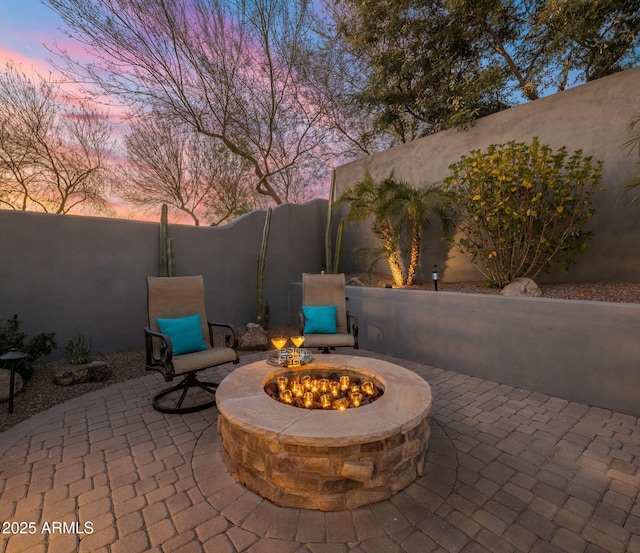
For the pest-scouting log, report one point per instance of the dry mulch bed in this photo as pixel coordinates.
(41, 393)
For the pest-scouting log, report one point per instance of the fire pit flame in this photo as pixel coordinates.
(323, 390)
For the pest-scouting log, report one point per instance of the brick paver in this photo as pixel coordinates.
(507, 470)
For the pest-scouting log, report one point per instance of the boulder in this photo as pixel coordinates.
(255, 339)
(522, 287)
(96, 371)
(5, 383)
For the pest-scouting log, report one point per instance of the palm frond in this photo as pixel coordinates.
(372, 255)
(634, 186)
(632, 144)
(634, 132)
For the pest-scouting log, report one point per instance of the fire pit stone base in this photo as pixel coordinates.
(325, 478)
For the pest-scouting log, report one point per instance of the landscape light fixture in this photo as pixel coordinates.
(434, 276)
(12, 358)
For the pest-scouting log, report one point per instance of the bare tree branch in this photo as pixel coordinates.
(237, 71)
(53, 154)
(188, 171)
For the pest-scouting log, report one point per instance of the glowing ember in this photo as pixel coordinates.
(323, 390)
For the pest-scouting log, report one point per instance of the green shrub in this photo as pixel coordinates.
(517, 207)
(12, 337)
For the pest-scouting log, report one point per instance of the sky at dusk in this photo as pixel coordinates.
(27, 29)
(24, 26)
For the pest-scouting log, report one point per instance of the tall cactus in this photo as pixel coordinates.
(167, 250)
(171, 258)
(336, 259)
(262, 259)
(332, 262)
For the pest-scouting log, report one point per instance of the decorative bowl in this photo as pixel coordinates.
(289, 357)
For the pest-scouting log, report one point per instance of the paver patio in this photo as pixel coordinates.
(508, 470)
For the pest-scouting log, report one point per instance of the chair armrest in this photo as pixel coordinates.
(301, 322)
(230, 340)
(352, 323)
(166, 349)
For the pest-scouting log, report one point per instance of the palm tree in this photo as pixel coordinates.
(419, 204)
(365, 201)
(399, 214)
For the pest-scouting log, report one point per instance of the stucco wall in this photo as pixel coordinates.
(593, 117)
(578, 350)
(86, 275)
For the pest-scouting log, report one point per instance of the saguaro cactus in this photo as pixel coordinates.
(262, 259)
(332, 262)
(167, 250)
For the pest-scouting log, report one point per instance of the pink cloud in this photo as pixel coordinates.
(33, 67)
(24, 63)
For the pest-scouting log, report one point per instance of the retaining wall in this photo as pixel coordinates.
(578, 350)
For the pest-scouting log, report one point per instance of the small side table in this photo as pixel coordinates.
(12, 358)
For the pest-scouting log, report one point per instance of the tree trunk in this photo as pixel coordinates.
(414, 252)
(393, 257)
(396, 270)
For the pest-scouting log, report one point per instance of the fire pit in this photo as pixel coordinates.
(325, 459)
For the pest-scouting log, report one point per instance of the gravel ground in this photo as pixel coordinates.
(618, 293)
(41, 393)
(593, 291)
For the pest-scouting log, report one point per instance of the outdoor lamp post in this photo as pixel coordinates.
(434, 275)
(12, 358)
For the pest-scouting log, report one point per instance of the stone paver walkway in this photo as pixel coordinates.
(508, 471)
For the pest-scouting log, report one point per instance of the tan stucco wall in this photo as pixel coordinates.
(593, 117)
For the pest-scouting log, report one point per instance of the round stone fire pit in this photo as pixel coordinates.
(324, 459)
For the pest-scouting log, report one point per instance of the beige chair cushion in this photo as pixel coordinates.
(328, 340)
(199, 359)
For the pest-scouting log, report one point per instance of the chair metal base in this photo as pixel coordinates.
(326, 349)
(189, 381)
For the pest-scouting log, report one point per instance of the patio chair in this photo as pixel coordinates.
(180, 341)
(324, 319)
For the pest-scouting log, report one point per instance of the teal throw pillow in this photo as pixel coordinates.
(185, 334)
(319, 319)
